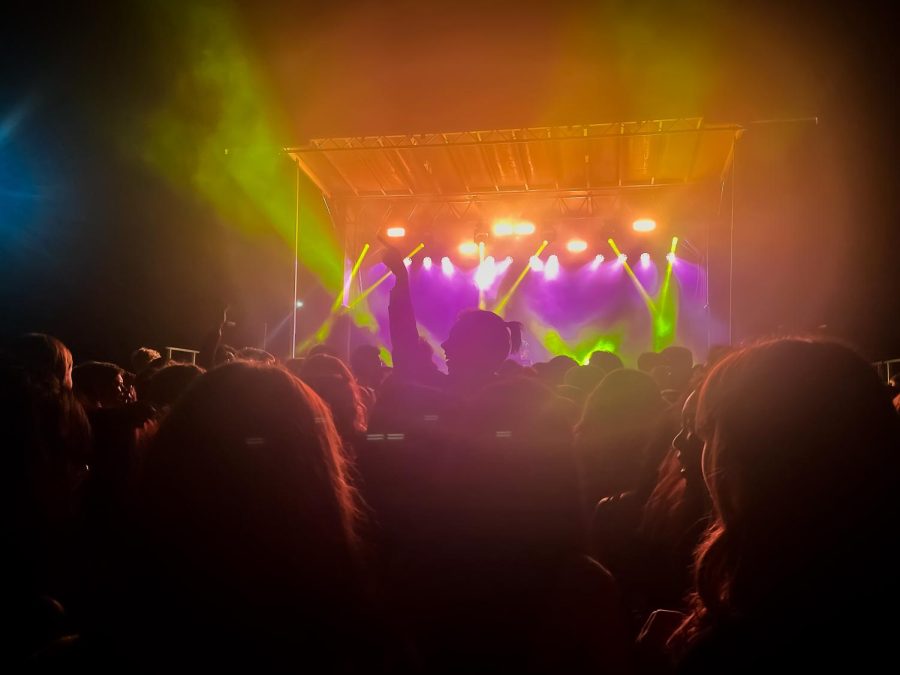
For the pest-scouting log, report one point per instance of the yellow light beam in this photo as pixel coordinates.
(498, 309)
(664, 296)
(343, 296)
(637, 283)
(387, 275)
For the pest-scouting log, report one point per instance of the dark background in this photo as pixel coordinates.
(101, 251)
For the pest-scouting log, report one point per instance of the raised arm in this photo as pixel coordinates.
(402, 317)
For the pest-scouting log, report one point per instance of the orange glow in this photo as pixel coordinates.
(576, 246)
(468, 248)
(644, 225)
(396, 232)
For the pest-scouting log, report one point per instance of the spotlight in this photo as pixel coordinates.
(645, 259)
(644, 225)
(299, 304)
(503, 228)
(524, 228)
(504, 264)
(446, 266)
(468, 248)
(670, 256)
(551, 270)
(621, 258)
(576, 246)
(426, 262)
(598, 260)
(536, 264)
(484, 275)
(407, 261)
(396, 232)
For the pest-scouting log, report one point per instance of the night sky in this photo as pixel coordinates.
(104, 250)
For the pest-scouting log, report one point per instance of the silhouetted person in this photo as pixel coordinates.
(616, 431)
(647, 361)
(169, 383)
(606, 361)
(249, 556)
(798, 570)
(367, 366)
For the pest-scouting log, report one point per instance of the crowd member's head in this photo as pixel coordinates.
(143, 357)
(554, 373)
(479, 343)
(250, 517)
(680, 362)
(647, 361)
(170, 382)
(100, 385)
(224, 354)
(800, 459)
(585, 378)
(606, 361)
(330, 378)
(367, 366)
(616, 430)
(322, 348)
(255, 354)
(46, 360)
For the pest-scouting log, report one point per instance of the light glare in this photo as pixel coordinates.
(644, 225)
(468, 248)
(396, 232)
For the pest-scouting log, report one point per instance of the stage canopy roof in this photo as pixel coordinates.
(581, 171)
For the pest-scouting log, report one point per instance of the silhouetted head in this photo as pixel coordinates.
(255, 354)
(247, 498)
(680, 362)
(328, 350)
(555, 372)
(367, 366)
(800, 459)
(330, 378)
(169, 383)
(479, 343)
(606, 361)
(143, 357)
(100, 385)
(647, 361)
(46, 360)
(624, 400)
(585, 378)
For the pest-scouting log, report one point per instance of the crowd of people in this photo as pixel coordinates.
(317, 515)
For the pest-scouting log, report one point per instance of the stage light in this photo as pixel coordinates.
(299, 304)
(446, 266)
(551, 269)
(645, 259)
(407, 261)
(576, 246)
(536, 264)
(644, 225)
(524, 228)
(396, 232)
(503, 228)
(670, 256)
(621, 258)
(426, 262)
(598, 260)
(468, 248)
(485, 274)
(504, 264)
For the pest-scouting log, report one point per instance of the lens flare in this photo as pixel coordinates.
(396, 232)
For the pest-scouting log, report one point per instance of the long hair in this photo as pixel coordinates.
(800, 461)
(246, 495)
